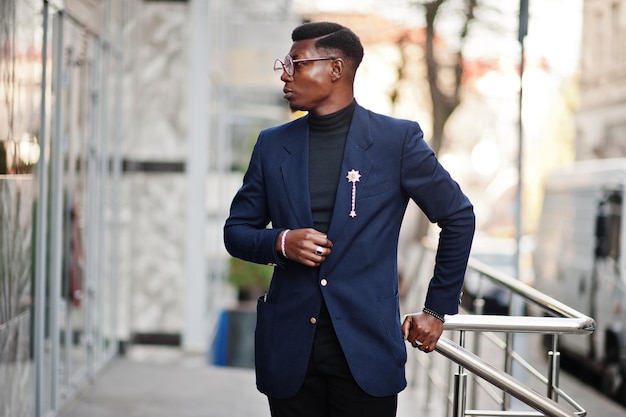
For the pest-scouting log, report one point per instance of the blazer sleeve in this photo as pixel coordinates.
(441, 199)
(246, 234)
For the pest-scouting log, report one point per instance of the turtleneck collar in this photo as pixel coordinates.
(333, 121)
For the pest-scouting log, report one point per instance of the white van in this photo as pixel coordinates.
(579, 260)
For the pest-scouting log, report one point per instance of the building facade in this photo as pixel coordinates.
(61, 66)
(122, 126)
(601, 119)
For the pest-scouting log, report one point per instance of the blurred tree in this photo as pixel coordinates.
(444, 72)
(444, 69)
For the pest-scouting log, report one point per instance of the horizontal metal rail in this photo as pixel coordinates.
(529, 293)
(520, 324)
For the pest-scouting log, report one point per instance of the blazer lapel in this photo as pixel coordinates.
(295, 171)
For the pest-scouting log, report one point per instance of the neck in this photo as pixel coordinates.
(333, 107)
(336, 122)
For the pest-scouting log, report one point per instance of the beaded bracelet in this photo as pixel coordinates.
(434, 314)
(282, 243)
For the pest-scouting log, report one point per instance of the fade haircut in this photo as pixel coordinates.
(332, 36)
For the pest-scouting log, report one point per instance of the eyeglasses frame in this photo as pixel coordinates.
(297, 61)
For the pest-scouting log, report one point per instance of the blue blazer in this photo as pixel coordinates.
(361, 273)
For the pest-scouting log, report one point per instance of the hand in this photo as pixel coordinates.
(422, 330)
(307, 246)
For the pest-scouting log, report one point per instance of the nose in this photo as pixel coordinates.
(284, 76)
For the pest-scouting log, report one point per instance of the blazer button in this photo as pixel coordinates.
(324, 282)
(313, 320)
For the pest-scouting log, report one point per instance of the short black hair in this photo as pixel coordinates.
(331, 36)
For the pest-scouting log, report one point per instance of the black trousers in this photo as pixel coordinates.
(329, 389)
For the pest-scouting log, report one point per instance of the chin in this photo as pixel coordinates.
(295, 107)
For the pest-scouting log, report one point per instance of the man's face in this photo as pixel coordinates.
(311, 85)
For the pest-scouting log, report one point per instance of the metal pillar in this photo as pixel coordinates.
(195, 333)
(40, 230)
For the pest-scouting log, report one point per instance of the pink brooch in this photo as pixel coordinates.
(353, 176)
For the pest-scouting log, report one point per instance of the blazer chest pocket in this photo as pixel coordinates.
(372, 190)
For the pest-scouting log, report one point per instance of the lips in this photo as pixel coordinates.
(287, 93)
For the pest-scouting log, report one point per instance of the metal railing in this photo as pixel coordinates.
(562, 320)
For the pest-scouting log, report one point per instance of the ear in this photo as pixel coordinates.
(337, 69)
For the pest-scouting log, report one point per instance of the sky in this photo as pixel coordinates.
(555, 32)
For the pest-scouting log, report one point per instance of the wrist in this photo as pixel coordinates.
(435, 314)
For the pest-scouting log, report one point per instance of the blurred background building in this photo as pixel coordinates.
(125, 127)
(601, 120)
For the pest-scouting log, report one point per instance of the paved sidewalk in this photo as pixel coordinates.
(166, 383)
(138, 389)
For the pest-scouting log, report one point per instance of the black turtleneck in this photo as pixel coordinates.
(327, 141)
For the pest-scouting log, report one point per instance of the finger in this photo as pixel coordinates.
(406, 326)
(317, 236)
(322, 242)
(322, 251)
(429, 344)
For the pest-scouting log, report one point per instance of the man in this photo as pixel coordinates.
(334, 185)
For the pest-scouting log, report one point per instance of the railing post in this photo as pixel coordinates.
(554, 362)
(508, 366)
(460, 385)
(460, 393)
(479, 308)
(429, 384)
(449, 374)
